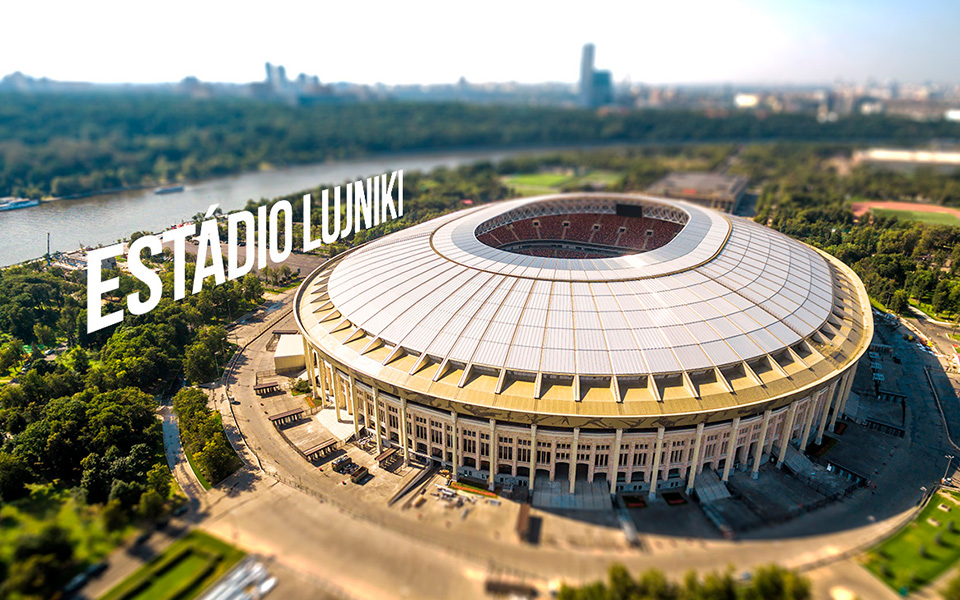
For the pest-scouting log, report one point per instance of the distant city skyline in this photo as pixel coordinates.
(742, 41)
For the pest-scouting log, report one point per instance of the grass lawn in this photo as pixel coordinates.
(236, 462)
(931, 218)
(878, 305)
(913, 558)
(546, 180)
(471, 489)
(182, 571)
(282, 288)
(928, 310)
(196, 470)
(47, 504)
(531, 184)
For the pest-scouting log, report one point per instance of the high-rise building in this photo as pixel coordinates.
(596, 87)
(586, 75)
(271, 75)
(602, 88)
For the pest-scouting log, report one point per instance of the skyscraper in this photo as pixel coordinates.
(586, 75)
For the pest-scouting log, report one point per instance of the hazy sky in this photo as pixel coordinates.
(428, 42)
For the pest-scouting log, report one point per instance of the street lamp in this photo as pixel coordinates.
(949, 458)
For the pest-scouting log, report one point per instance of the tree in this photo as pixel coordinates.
(41, 564)
(216, 458)
(150, 505)
(114, 516)
(769, 583)
(199, 364)
(776, 583)
(159, 479)
(11, 354)
(900, 302)
(14, 476)
(44, 335)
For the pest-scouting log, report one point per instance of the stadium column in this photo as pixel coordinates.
(493, 454)
(731, 449)
(353, 403)
(324, 388)
(842, 400)
(311, 371)
(572, 472)
(376, 418)
(454, 443)
(614, 462)
(337, 392)
(829, 400)
(654, 472)
(403, 430)
(763, 438)
(837, 403)
(807, 424)
(366, 417)
(786, 434)
(533, 455)
(695, 459)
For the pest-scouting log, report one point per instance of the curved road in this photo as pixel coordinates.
(379, 552)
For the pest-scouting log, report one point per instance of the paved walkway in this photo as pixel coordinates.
(314, 528)
(177, 459)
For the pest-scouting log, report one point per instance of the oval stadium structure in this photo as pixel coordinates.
(618, 339)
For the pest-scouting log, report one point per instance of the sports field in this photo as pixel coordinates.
(532, 184)
(181, 572)
(48, 505)
(926, 547)
(932, 214)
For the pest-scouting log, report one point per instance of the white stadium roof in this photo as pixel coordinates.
(724, 318)
(723, 291)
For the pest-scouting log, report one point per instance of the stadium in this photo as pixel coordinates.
(600, 341)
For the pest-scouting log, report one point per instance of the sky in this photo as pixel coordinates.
(644, 41)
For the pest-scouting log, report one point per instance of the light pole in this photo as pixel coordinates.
(949, 458)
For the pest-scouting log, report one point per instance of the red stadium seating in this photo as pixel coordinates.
(614, 235)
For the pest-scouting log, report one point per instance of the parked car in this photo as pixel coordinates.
(96, 569)
(359, 475)
(342, 464)
(76, 583)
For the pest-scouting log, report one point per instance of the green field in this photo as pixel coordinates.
(931, 218)
(913, 557)
(531, 184)
(47, 505)
(182, 571)
(196, 470)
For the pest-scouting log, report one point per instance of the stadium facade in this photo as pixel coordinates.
(619, 338)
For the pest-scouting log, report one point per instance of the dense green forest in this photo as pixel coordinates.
(767, 583)
(64, 145)
(899, 261)
(83, 420)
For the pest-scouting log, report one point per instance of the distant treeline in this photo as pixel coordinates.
(73, 144)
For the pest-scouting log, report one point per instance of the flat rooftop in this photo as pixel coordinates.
(699, 184)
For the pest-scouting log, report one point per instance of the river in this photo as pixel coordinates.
(108, 218)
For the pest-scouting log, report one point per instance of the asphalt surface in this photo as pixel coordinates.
(327, 547)
(819, 537)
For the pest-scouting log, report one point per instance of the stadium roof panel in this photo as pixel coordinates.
(721, 292)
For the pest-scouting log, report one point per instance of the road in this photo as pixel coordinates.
(339, 546)
(281, 518)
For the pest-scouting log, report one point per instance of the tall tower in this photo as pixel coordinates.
(586, 75)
